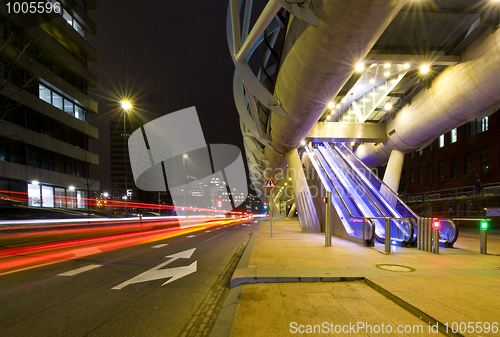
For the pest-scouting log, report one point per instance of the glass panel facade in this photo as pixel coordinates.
(80, 197)
(59, 197)
(45, 94)
(47, 196)
(34, 197)
(69, 107)
(57, 100)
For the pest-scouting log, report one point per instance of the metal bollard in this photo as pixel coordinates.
(435, 229)
(483, 241)
(328, 219)
(387, 235)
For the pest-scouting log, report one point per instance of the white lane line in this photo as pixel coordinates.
(160, 245)
(207, 231)
(80, 270)
(191, 236)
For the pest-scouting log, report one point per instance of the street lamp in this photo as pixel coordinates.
(184, 157)
(126, 106)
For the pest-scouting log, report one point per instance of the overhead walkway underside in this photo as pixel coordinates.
(352, 71)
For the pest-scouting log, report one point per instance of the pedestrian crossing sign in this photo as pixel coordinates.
(270, 183)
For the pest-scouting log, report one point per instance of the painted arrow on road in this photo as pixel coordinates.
(156, 273)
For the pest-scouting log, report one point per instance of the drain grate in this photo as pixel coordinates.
(395, 267)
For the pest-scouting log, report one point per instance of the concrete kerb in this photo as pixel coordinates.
(224, 325)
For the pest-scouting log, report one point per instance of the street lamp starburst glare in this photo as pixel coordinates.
(126, 105)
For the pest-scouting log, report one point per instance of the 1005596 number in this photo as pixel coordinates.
(470, 327)
(25, 7)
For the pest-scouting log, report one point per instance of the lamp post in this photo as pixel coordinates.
(126, 106)
(184, 156)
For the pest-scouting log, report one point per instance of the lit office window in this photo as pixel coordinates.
(69, 107)
(34, 196)
(59, 197)
(57, 100)
(484, 124)
(45, 94)
(441, 141)
(48, 196)
(454, 135)
(68, 17)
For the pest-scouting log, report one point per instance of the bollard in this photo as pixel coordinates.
(435, 229)
(483, 241)
(387, 235)
(328, 219)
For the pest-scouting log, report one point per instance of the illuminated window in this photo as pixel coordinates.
(484, 124)
(454, 135)
(441, 141)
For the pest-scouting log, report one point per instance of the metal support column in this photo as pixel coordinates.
(436, 241)
(483, 242)
(328, 219)
(387, 235)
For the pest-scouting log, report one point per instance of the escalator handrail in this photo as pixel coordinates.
(311, 153)
(372, 230)
(374, 175)
(368, 193)
(355, 180)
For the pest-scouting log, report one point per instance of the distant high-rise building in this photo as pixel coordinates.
(44, 105)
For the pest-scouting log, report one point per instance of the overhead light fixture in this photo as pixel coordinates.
(71, 188)
(406, 65)
(388, 106)
(34, 182)
(387, 74)
(303, 142)
(387, 65)
(372, 80)
(425, 69)
(328, 117)
(331, 105)
(360, 67)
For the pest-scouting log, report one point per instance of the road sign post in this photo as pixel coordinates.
(270, 185)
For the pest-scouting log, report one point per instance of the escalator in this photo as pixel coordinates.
(359, 196)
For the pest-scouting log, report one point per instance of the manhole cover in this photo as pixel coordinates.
(395, 267)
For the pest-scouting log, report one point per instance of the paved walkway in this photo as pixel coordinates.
(290, 282)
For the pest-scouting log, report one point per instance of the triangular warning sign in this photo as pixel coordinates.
(270, 183)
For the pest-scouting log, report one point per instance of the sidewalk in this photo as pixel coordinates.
(291, 279)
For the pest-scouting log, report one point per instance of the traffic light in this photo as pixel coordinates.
(484, 224)
(435, 223)
(219, 202)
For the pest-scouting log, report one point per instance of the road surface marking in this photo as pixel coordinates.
(190, 236)
(80, 270)
(156, 273)
(160, 245)
(207, 231)
(213, 237)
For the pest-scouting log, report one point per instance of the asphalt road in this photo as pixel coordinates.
(41, 302)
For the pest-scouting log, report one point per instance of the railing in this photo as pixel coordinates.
(369, 220)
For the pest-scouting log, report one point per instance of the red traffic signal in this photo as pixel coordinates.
(265, 203)
(435, 224)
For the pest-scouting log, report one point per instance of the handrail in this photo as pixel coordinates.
(390, 189)
(372, 230)
(369, 194)
(412, 231)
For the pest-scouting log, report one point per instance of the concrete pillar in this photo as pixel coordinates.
(307, 214)
(292, 211)
(393, 175)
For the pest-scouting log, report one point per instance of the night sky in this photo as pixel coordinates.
(175, 55)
